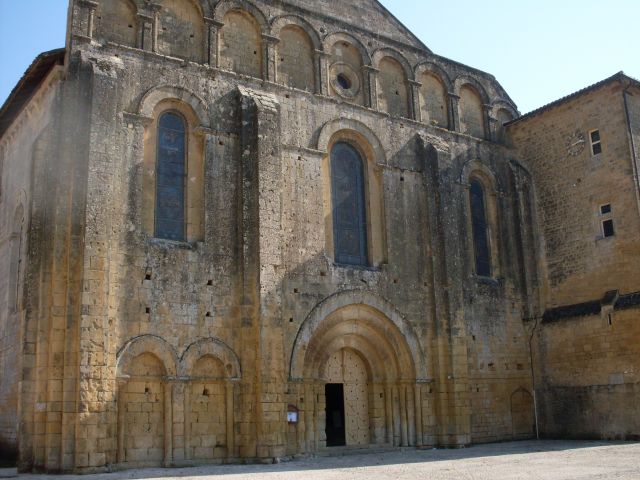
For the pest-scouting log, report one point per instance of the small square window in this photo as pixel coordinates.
(605, 209)
(596, 142)
(608, 229)
(597, 149)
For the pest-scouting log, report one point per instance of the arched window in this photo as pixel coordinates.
(170, 177)
(349, 210)
(481, 247)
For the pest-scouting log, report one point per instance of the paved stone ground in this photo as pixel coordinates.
(544, 460)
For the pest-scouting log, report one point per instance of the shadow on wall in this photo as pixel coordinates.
(8, 455)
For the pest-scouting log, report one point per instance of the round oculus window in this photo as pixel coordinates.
(345, 80)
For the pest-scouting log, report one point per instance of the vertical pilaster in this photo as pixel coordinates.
(322, 72)
(270, 63)
(454, 112)
(309, 399)
(488, 122)
(370, 78)
(213, 29)
(261, 258)
(414, 103)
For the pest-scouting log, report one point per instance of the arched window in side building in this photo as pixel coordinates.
(480, 230)
(349, 208)
(170, 177)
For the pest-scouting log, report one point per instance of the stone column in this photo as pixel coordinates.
(411, 415)
(370, 86)
(121, 406)
(322, 72)
(168, 387)
(414, 91)
(418, 415)
(397, 428)
(388, 413)
(270, 62)
(187, 421)
(155, 25)
(213, 27)
(91, 7)
(454, 115)
(231, 440)
(404, 430)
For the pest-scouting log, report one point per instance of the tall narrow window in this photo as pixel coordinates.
(480, 230)
(170, 177)
(349, 210)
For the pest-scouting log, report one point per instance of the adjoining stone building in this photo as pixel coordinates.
(240, 230)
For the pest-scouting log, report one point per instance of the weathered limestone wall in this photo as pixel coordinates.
(581, 264)
(125, 321)
(27, 142)
(586, 343)
(590, 376)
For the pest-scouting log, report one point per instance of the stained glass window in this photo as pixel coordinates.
(170, 177)
(349, 210)
(480, 229)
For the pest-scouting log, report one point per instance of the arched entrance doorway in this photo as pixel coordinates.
(358, 364)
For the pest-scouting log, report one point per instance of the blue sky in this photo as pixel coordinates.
(539, 50)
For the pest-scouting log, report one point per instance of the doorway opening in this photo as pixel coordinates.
(335, 425)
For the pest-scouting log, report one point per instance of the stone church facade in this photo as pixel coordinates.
(244, 230)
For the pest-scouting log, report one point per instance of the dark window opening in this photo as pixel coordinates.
(480, 229)
(349, 210)
(343, 81)
(597, 148)
(170, 178)
(608, 229)
(596, 142)
(335, 426)
(605, 209)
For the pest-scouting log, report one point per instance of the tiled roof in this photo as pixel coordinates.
(618, 77)
(28, 85)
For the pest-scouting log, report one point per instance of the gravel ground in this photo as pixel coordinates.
(544, 460)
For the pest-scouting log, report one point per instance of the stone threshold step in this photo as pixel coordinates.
(359, 450)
